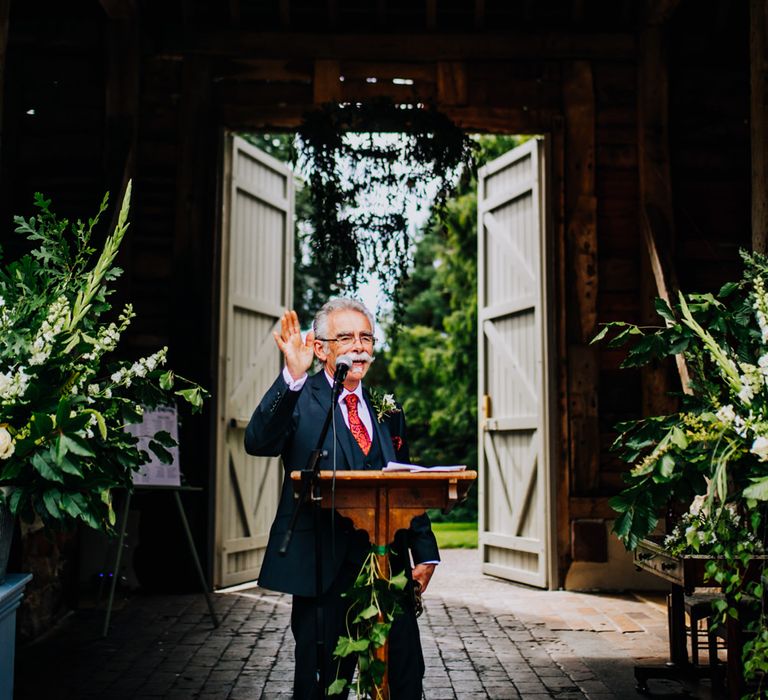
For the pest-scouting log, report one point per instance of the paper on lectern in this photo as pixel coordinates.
(402, 467)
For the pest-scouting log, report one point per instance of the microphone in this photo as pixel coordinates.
(343, 365)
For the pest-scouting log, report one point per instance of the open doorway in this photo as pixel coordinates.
(483, 266)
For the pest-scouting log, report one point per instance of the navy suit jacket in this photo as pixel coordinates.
(288, 423)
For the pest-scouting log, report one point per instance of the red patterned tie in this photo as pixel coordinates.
(356, 425)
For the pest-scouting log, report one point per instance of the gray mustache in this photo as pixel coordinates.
(360, 356)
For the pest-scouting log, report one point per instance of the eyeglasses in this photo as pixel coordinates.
(349, 338)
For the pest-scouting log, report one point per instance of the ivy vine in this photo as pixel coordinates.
(375, 602)
(361, 183)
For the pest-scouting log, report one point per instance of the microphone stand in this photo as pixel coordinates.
(310, 491)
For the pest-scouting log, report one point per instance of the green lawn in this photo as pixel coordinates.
(455, 535)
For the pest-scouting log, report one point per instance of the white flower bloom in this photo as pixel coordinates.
(726, 414)
(138, 370)
(760, 448)
(7, 445)
(93, 389)
(746, 394)
(39, 358)
(697, 505)
(116, 377)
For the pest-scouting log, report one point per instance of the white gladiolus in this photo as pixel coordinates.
(760, 448)
(726, 414)
(6, 443)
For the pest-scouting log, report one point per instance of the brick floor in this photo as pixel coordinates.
(482, 638)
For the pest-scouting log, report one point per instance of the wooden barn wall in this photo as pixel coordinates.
(708, 52)
(67, 135)
(584, 97)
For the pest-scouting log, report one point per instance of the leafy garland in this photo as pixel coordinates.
(353, 231)
(375, 603)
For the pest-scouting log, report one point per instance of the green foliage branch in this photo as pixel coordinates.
(375, 602)
(64, 398)
(711, 456)
(355, 234)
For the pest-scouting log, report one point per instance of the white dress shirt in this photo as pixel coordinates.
(362, 406)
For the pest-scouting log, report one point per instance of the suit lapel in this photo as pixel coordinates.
(321, 391)
(381, 429)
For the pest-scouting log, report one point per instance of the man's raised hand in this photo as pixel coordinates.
(298, 353)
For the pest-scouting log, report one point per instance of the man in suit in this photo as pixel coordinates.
(288, 422)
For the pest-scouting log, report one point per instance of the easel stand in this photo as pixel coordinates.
(123, 526)
(381, 503)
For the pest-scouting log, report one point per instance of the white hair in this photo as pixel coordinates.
(320, 324)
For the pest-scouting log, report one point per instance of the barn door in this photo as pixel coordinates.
(514, 508)
(256, 283)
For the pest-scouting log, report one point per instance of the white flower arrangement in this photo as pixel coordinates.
(64, 401)
(383, 404)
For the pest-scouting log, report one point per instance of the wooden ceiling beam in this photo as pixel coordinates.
(660, 11)
(381, 12)
(494, 120)
(333, 13)
(234, 13)
(431, 15)
(406, 47)
(118, 9)
(479, 14)
(285, 13)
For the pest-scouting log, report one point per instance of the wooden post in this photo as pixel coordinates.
(581, 246)
(562, 481)
(656, 212)
(758, 17)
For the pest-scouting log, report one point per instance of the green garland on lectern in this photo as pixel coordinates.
(374, 604)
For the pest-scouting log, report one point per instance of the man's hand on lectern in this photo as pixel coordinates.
(422, 573)
(298, 353)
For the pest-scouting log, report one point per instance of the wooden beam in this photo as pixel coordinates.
(119, 9)
(758, 46)
(581, 273)
(561, 457)
(591, 507)
(579, 101)
(285, 13)
(659, 12)
(451, 83)
(234, 13)
(194, 216)
(656, 210)
(479, 14)
(381, 12)
(496, 120)
(406, 47)
(431, 9)
(333, 13)
(326, 85)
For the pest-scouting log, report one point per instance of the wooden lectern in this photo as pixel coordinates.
(381, 503)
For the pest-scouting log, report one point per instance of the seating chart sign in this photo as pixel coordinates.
(155, 472)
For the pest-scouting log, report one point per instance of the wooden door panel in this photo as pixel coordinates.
(514, 510)
(256, 279)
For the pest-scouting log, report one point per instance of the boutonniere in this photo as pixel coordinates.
(384, 404)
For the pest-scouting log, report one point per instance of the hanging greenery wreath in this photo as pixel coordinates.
(362, 182)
